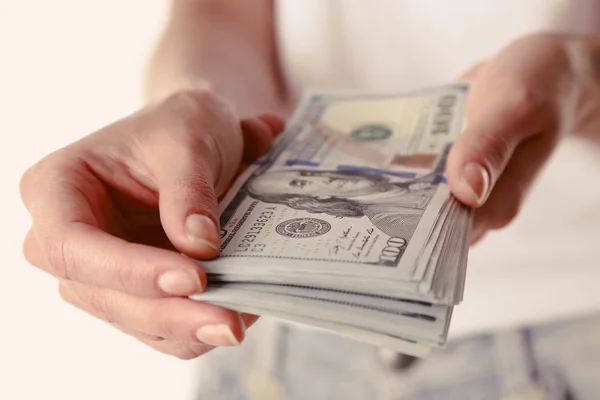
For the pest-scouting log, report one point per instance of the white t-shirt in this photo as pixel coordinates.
(546, 265)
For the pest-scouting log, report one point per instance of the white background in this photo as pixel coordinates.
(67, 67)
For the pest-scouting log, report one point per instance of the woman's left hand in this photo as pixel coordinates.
(521, 103)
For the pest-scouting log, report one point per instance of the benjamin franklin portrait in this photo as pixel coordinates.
(395, 208)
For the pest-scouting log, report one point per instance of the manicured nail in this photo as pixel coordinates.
(217, 335)
(180, 282)
(200, 229)
(478, 180)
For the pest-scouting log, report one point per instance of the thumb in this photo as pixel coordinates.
(187, 177)
(512, 100)
(188, 206)
(499, 119)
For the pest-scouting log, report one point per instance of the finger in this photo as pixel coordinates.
(174, 318)
(501, 115)
(270, 126)
(194, 167)
(193, 154)
(276, 123)
(477, 235)
(68, 241)
(137, 334)
(259, 133)
(248, 319)
(31, 251)
(181, 350)
(85, 254)
(512, 100)
(511, 189)
(70, 297)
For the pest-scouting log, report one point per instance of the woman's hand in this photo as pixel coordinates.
(113, 213)
(535, 91)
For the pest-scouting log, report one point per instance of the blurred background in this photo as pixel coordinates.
(67, 68)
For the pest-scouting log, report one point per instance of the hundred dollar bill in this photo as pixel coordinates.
(397, 343)
(355, 187)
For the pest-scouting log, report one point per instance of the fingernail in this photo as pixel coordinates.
(478, 180)
(217, 335)
(201, 230)
(180, 282)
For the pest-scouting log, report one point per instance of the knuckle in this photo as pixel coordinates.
(130, 277)
(497, 151)
(28, 180)
(183, 353)
(190, 111)
(192, 101)
(29, 248)
(154, 338)
(195, 183)
(39, 172)
(57, 255)
(24, 182)
(200, 115)
(188, 351)
(99, 303)
(185, 139)
(66, 293)
(523, 102)
(164, 325)
(195, 123)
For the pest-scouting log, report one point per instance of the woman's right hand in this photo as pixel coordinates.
(114, 212)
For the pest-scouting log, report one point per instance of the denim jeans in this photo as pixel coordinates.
(278, 361)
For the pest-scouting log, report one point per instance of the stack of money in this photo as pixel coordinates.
(348, 224)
